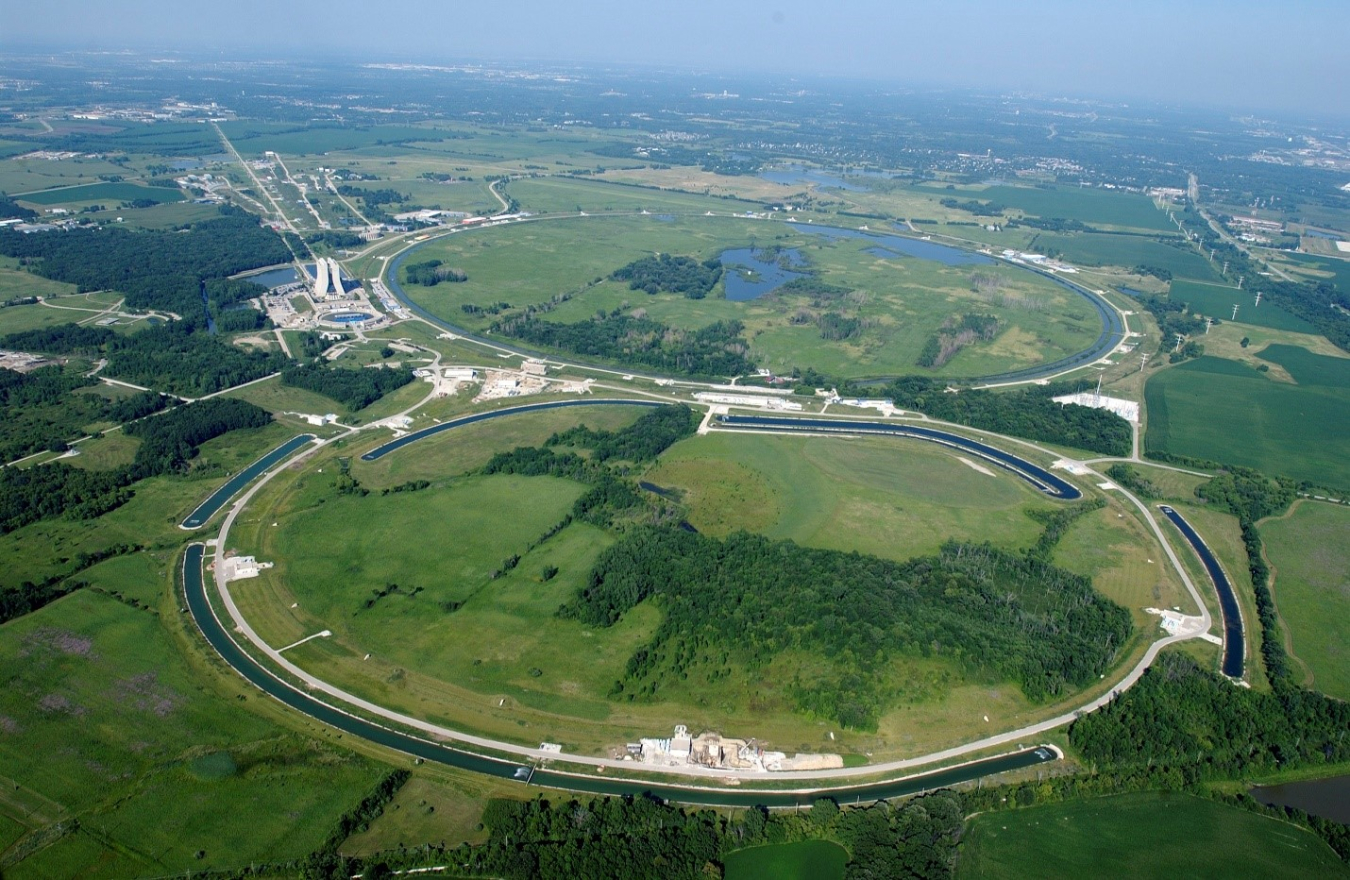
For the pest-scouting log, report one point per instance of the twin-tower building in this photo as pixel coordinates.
(327, 278)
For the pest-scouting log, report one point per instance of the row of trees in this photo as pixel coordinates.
(749, 598)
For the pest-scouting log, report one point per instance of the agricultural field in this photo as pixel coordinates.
(1222, 410)
(1141, 835)
(100, 192)
(1127, 251)
(134, 730)
(1333, 269)
(898, 301)
(1094, 207)
(1216, 301)
(1310, 559)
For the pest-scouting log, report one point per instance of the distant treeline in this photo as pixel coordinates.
(168, 443)
(354, 389)
(10, 209)
(746, 599)
(664, 273)
(162, 270)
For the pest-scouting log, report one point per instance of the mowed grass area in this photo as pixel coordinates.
(1125, 563)
(804, 860)
(1216, 301)
(900, 301)
(888, 497)
(1127, 251)
(1148, 834)
(100, 714)
(1221, 410)
(1310, 555)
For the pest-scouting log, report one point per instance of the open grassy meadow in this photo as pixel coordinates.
(899, 301)
(101, 717)
(1141, 835)
(101, 192)
(1094, 207)
(1222, 410)
(1310, 558)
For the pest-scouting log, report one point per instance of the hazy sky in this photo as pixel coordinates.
(1262, 55)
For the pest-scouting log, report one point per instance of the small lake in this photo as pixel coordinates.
(1328, 798)
(894, 246)
(753, 272)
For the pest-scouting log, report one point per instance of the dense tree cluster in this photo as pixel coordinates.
(1196, 723)
(168, 442)
(715, 350)
(1028, 412)
(644, 440)
(984, 609)
(61, 339)
(644, 837)
(973, 206)
(156, 269)
(432, 272)
(664, 273)
(373, 197)
(11, 209)
(1127, 476)
(172, 357)
(38, 410)
(354, 389)
(955, 335)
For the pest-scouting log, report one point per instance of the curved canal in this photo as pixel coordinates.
(232, 487)
(198, 604)
(1234, 648)
(1112, 334)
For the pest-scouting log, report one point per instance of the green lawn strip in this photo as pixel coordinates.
(1147, 834)
(805, 860)
(1310, 556)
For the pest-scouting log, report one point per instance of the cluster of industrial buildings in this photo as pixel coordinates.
(717, 752)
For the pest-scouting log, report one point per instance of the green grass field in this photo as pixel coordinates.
(101, 715)
(1141, 835)
(1311, 559)
(1095, 207)
(1225, 411)
(900, 300)
(804, 860)
(1127, 251)
(1337, 271)
(1216, 301)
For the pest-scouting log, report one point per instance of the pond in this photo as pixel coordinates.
(1328, 798)
(275, 277)
(805, 860)
(753, 272)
